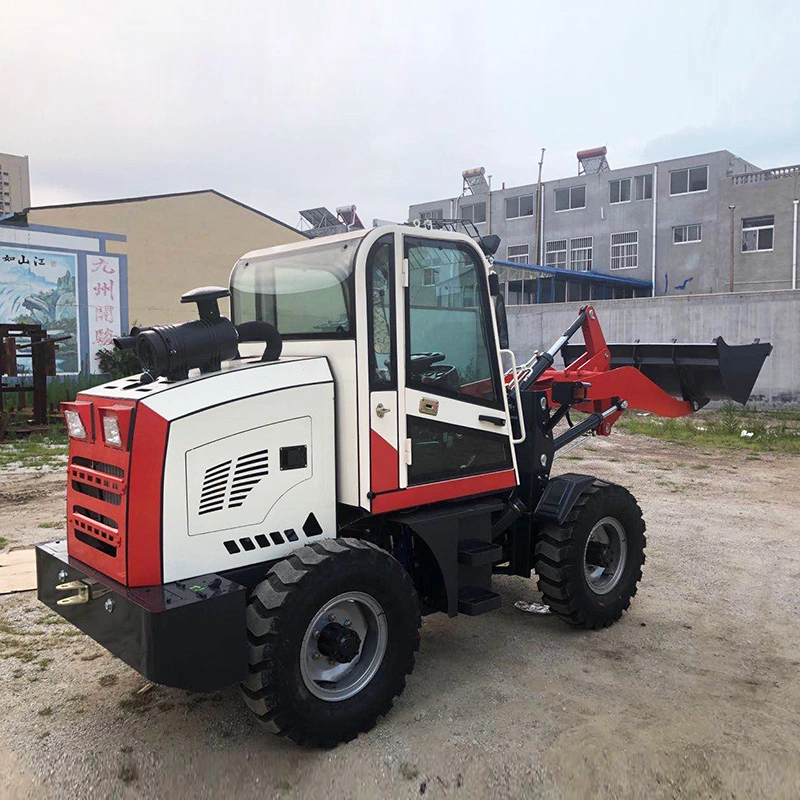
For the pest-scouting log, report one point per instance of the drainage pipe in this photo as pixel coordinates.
(794, 247)
(655, 210)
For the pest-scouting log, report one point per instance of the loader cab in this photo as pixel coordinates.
(405, 317)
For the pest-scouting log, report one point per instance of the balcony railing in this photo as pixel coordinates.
(765, 175)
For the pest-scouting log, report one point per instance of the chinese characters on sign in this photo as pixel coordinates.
(22, 260)
(102, 276)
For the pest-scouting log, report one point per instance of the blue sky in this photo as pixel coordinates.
(382, 104)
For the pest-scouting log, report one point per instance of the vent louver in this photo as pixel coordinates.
(250, 469)
(219, 485)
(215, 484)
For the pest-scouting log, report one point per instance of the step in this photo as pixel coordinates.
(475, 553)
(473, 600)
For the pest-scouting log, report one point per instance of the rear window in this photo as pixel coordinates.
(306, 293)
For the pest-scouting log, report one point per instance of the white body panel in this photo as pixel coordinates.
(457, 412)
(235, 482)
(342, 360)
(234, 416)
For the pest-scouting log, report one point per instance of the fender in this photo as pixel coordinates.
(560, 496)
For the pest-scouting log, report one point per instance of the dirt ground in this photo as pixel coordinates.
(695, 693)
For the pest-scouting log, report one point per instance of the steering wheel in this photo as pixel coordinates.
(422, 362)
(445, 376)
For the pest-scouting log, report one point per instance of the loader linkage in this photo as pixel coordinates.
(603, 380)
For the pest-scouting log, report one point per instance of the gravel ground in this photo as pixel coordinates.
(695, 693)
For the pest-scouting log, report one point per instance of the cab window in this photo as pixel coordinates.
(307, 293)
(451, 348)
(380, 315)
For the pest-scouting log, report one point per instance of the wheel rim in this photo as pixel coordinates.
(333, 681)
(605, 555)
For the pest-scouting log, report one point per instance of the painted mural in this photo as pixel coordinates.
(38, 287)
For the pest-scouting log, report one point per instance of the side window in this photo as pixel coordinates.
(380, 315)
(451, 349)
(442, 451)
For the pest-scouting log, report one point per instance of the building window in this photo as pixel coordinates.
(681, 234)
(519, 206)
(580, 254)
(625, 250)
(684, 181)
(758, 233)
(555, 253)
(518, 253)
(643, 187)
(620, 191)
(572, 198)
(474, 213)
(430, 276)
(435, 213)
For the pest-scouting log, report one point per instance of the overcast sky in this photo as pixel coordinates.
(291, 105)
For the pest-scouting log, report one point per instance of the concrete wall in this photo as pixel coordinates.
(174, 243)
(739, 318)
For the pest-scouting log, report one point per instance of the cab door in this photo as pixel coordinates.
(456, 412)
(454, 429)
(382, 363)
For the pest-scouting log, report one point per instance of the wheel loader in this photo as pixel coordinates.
(278, 497)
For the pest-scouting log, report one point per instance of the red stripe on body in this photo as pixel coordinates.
(384, 464)
(444, 490)
(144, 498)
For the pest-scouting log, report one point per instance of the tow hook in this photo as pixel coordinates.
(85, 592)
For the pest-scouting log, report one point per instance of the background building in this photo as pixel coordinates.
(15, 183)
(666, 223)
(94, 269)
(173, 243)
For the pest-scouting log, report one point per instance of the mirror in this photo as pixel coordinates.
(490, 243)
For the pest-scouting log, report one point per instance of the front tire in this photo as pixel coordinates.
(332, 633)
(589, 567)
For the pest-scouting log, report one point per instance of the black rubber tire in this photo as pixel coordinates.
(559, 558)
(278, 614)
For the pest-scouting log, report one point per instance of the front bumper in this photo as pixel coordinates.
(188, 634)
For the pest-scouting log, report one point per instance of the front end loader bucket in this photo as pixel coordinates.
(694, 372)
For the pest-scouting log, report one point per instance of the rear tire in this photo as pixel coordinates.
(589, 567)
(342, 585)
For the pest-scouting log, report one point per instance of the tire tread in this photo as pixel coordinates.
(556, 555)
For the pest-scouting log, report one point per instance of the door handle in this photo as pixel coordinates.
(493, 420)
(381, 410)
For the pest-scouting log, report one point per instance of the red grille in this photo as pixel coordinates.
(97, 503)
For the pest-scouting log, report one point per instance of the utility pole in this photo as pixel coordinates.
(731, 209)
(538, 215)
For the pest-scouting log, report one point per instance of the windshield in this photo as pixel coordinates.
(304, 293)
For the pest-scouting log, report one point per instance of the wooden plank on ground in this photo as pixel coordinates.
(18, 571)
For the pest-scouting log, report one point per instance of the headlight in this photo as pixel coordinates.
(78, 418)
(115, 422)
(111, 434)
(75, 426)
